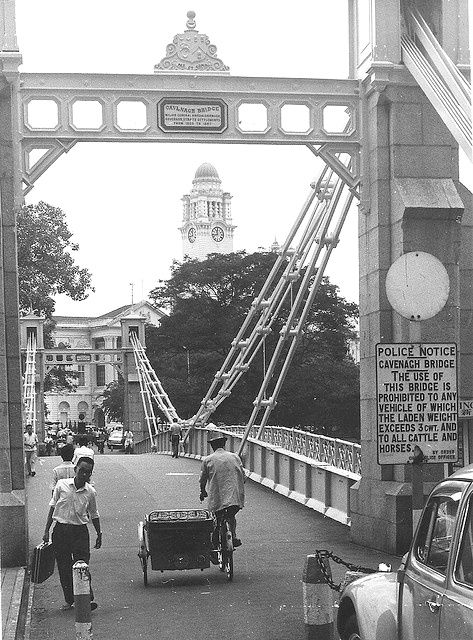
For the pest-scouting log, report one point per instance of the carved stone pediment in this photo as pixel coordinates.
(191, 53)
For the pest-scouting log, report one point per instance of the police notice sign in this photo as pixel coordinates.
(417, 402)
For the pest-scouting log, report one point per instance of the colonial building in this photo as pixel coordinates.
(102, 333)
(206, 220)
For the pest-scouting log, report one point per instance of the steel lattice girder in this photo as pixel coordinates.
(162, 95)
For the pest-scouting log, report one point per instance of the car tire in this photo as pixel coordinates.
(351, 630)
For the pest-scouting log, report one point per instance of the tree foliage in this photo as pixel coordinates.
(208, 301)
(61, 380)
(45, 264)
(114, 400)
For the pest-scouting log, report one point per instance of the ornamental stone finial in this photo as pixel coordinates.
(190, 24)
(191, 53)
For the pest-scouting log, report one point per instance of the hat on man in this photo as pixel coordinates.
(214, 436)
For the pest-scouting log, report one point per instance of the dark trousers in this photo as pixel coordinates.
(71, 543)
(175, 446)
(230, 512)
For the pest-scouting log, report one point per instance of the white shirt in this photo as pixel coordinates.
(223, 472)
(30, 441)
(82, 452)
(72, 505)
(62, 471)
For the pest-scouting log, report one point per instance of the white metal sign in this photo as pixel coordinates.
(465, 408)
(417, 402)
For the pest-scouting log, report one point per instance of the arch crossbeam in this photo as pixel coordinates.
(176, 108)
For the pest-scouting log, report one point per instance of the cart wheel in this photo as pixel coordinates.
(144, 566)
(229, 567)
(143, 552)
(225, 552)
(228, 545)
(221, 559)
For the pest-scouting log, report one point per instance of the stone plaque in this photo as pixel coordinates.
(187, 115)
(83, 357)
(417, 402)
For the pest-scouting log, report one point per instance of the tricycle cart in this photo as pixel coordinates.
(181, 539)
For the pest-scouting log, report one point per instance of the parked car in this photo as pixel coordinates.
(431, 595)
(112, 426)
(116, 439)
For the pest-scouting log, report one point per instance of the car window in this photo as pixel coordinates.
(464, 568)
(435, 534)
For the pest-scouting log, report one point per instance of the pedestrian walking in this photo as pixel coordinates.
(82, 450)
(129, 444)
(175, 432)
(48, 443)
(30, 441)
(66, 468)
(100, 440)
(81, 425)
(72, 504)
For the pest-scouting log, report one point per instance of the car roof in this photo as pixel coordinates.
(466, 473)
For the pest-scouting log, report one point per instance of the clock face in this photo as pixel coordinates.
(218, 234)
(191, 234)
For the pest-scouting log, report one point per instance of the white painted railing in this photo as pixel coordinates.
(337, 453)
(314, 470)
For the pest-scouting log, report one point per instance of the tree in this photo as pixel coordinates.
(45, 264)
(114, 400)
(61, 380)
(207, 302)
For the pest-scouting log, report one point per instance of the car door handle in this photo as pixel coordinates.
(433, 605)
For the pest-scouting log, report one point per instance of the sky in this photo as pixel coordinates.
(123, 200)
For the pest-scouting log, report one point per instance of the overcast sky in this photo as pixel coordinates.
(123, 201)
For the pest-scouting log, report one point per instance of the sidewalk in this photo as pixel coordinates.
(14, 603)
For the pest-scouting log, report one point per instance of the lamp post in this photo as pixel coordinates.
(188, 363)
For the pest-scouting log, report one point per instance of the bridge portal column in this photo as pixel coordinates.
(13, 520)
(411, 200)
(134, 416)
(415, 203)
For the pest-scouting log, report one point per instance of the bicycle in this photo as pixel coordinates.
(225, 545)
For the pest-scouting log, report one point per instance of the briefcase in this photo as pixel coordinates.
(43, 562)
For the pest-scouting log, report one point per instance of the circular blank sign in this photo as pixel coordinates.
(417, 285)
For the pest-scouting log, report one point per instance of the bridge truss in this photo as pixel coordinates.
(29, 383)
(151, 389)
(285, 299)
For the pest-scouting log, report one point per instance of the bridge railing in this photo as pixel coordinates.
(314, 470)
(337, 453)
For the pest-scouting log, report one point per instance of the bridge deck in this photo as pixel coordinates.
(263, 603)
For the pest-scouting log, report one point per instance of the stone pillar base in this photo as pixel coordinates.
(387, 523)
(13, 529)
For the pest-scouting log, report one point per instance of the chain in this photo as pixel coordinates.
(320, 554)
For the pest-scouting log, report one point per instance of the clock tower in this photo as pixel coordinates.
(206, 220)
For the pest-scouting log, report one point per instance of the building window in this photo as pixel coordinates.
(100, 374)
(99, 343)
(81, 375)
(119, 343)
(83, 408)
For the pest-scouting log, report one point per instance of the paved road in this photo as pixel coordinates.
(264, 602)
